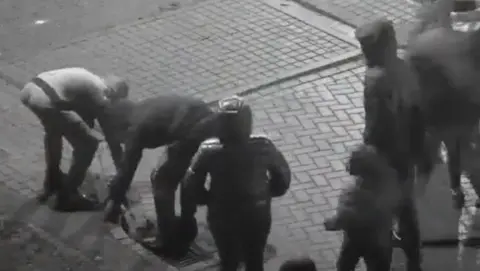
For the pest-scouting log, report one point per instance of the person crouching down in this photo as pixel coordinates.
(67, 101)
(366, 212)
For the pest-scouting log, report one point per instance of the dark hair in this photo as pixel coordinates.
(301, 264)
(366, 160)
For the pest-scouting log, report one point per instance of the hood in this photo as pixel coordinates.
(377, 40)
(235, 120)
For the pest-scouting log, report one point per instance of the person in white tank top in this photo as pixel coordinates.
(67, 102)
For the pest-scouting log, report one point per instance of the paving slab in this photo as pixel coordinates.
(79, 240)
(315, 120)
(30, 26)
(203, 50)
(358, 12)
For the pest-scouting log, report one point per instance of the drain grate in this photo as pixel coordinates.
(195, 255)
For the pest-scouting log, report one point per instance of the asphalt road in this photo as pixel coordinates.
(29, 26)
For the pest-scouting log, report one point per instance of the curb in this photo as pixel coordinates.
(402, 32)
(286, 76)
(333, 27)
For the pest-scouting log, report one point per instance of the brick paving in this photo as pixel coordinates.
(22, 38)
(357, 12)
(203, 50)
(314, 119)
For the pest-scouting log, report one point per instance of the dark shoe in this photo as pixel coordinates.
(171, 251)
(51, 186)
(112, 212)
(43, 196)
(458, 198)
(75, 202)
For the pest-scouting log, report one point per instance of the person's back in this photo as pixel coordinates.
(240, 172)
(246, 172)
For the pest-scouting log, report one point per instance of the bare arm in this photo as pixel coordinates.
(128, 166)
(113, 140)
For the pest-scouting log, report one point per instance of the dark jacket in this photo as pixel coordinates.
(241, 174)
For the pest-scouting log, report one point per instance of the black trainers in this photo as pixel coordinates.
(76, 202)
(43, 196)
(51, 187)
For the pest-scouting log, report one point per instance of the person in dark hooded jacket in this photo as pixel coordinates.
(246, 172)
(395, 123)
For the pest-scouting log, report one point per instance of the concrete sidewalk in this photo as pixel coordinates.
(302, 79)
(80, 241)
(358, 12)
(215, 49)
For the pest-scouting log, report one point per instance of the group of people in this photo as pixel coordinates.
(412, 104)
(408, 102)
(246, 170)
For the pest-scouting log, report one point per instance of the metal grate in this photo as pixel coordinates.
(195, 254)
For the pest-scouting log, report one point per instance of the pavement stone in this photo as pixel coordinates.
(81, 237)
(203, 50)
(315, 120)
(29, 26)
(358, 12)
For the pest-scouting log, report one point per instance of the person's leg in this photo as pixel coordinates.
(84, 143)
(227, 242)
(54, 177)
(164, 200)
(410, 234)
(378, 255)
(165, 180)
(349, 255)
(255, 234)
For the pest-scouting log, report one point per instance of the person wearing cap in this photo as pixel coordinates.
(67, 102)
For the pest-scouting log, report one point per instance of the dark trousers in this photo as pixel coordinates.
(409, 231)
(77, 131)
(165, 180)
(240, 234)
(375, 247)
